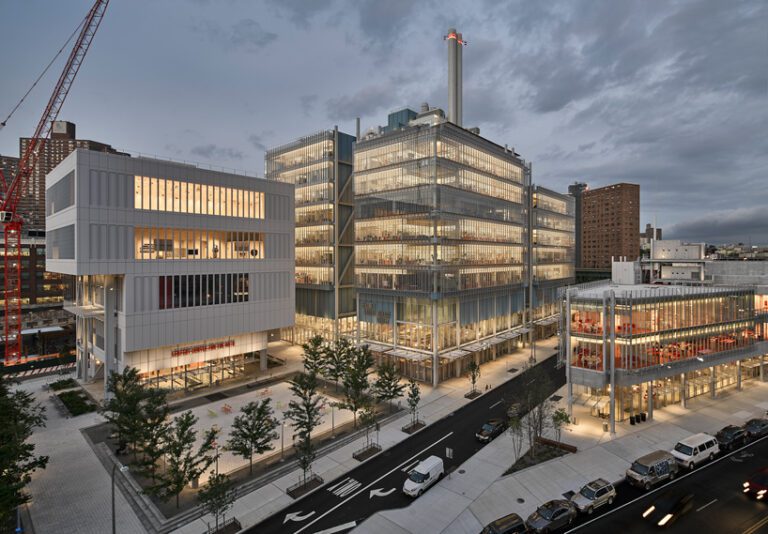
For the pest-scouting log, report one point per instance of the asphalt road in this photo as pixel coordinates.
(377, 485)
(718, 503)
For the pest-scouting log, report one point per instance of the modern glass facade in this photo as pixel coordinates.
(320, 166)
(553, 254)
(441, 247)
(669, 342)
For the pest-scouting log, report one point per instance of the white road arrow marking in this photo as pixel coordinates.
(296, 516)
(379, 492)
(339, 528)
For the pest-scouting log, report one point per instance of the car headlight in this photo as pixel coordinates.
(649, 511)
(665, 520)
(746, 484)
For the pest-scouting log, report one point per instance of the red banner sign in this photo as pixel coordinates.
(203, 348)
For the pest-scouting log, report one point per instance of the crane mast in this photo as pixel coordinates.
(12, 191)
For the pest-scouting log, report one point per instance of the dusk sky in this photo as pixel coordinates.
(672, 95)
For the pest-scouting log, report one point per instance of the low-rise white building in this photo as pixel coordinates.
(176, 270)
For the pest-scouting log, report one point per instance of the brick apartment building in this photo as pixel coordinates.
(610, 224)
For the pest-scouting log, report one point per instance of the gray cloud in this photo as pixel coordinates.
(246, 34)
(300, 12)
(215, 152)
(367, 100)
(736, 225)
(307, 103)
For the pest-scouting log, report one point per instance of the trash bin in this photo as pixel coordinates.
(631, 419)
(642, 416)
(605, 426)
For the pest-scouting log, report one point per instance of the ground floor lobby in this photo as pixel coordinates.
(675, 389)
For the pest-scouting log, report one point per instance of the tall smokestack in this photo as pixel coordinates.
(455, 43)
(459, 81)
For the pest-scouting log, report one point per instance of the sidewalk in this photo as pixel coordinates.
(466, 502)
(436, 403)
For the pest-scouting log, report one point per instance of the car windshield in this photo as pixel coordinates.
(639, 468)
(727, 432)
(417, 477)
(545, 512)
(588, 492)
(487, 427)
(684, 449)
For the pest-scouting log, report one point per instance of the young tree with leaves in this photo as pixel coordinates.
(217, 496)
(474, 374)
(369, 423)
(122, 408)
(19, 416)
(304, 414)
(413, 399)
(560, 418)
(516, 433)
(387, 386)
(337, 358)
(153, 431)
(356, 384)
(253, 431)
(314, 355)
(541, 408)
(185, 464)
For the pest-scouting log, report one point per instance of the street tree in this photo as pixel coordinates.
(304, 414)
(217, 496)
(19, 416)
(537, 393)
(356, 384)
(185, 462)
(413, 399)
(560, 418)
(387, 386)
(122, 408)
(254, 431)
(474, 374)
(517, 434)
(337, 358)
(314, 355)
(368, 422)
(152, 432)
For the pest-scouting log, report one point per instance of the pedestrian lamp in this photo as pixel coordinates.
(123, 469)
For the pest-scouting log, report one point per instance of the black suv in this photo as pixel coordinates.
(509, 524)
(491, 429)
(756, 428)
(731, 437)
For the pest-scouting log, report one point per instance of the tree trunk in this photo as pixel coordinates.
(177, 500)
(250, 461)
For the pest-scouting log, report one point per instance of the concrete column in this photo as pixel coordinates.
(263, 360)
(762, 368)
(111, 364)
(568, 350)
(738, 375)
(458, 367)
(712, 382)
(650, 400)
(435, 358)
(684, 390)
(612, 363)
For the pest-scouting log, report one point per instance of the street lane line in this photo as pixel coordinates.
(411, 466)
(754, 528)
(385, 475)
(349, 488)
(492, 406)
(710, 502)
(668, 483)
(339, 528)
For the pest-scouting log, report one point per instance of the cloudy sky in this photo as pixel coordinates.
(672, 95)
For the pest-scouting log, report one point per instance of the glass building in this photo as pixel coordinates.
(320, 166)
(552, 246)
(635, 348)
(441, 245)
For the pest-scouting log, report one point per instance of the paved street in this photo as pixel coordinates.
(718, 502)
(377, 485)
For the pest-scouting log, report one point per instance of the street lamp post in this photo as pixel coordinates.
(123, 469)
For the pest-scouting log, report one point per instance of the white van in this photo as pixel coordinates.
(423, 476)
(693, 450)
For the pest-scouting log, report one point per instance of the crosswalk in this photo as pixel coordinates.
(43, 371)
(345, 487)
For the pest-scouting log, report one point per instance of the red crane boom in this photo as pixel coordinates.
(11, 192)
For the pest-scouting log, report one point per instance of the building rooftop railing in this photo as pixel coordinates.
(191, 163)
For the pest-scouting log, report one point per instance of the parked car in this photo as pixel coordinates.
(756, 428)
(552, 515)
(423, 476)
(594, 495)
(490, 430)
(651, 469)
(509, 524)
(757, 485)
(731, 437)
(668, 508)
(693, 450)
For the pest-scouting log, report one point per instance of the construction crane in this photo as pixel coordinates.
(12, 190)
